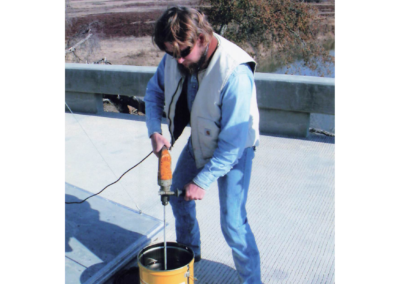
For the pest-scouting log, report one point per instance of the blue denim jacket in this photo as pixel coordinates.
(235, 111)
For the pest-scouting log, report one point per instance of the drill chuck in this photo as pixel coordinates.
(164, 199)
(165, 194)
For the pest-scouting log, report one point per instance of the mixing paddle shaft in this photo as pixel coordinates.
(165, 243)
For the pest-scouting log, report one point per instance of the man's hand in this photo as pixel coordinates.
(157, 142)
(194, 192)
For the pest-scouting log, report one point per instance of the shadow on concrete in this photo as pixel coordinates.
(103, 239)
(116, 115)
(312, 137)
(320, 138)
(125, 116)
(203, 272)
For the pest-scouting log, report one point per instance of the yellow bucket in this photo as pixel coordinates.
(180, 264)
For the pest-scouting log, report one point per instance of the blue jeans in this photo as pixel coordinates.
(233, 189)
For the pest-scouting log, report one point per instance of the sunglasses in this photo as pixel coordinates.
(184, 52)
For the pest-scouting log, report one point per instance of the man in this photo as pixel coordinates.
(208, 82)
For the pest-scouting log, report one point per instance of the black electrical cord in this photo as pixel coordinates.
(111, 183)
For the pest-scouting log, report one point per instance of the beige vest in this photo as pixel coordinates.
(206, 112)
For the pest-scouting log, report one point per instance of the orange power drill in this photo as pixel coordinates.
(165, 175)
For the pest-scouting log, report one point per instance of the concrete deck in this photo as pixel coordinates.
(290, 204)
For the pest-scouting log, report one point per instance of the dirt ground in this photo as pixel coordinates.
(137, 51)
(83, 8)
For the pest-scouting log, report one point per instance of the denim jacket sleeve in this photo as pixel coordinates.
(235, 113)
(155, 100)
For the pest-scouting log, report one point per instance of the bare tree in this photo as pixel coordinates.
(81, 44)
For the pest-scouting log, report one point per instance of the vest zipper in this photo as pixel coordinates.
(169, 112)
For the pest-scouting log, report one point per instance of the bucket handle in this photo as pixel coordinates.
(187, 275)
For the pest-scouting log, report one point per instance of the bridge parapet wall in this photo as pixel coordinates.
(285, 101)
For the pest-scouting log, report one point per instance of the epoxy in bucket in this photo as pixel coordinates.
(180, 264)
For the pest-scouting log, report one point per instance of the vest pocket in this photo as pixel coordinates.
(208, 136)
